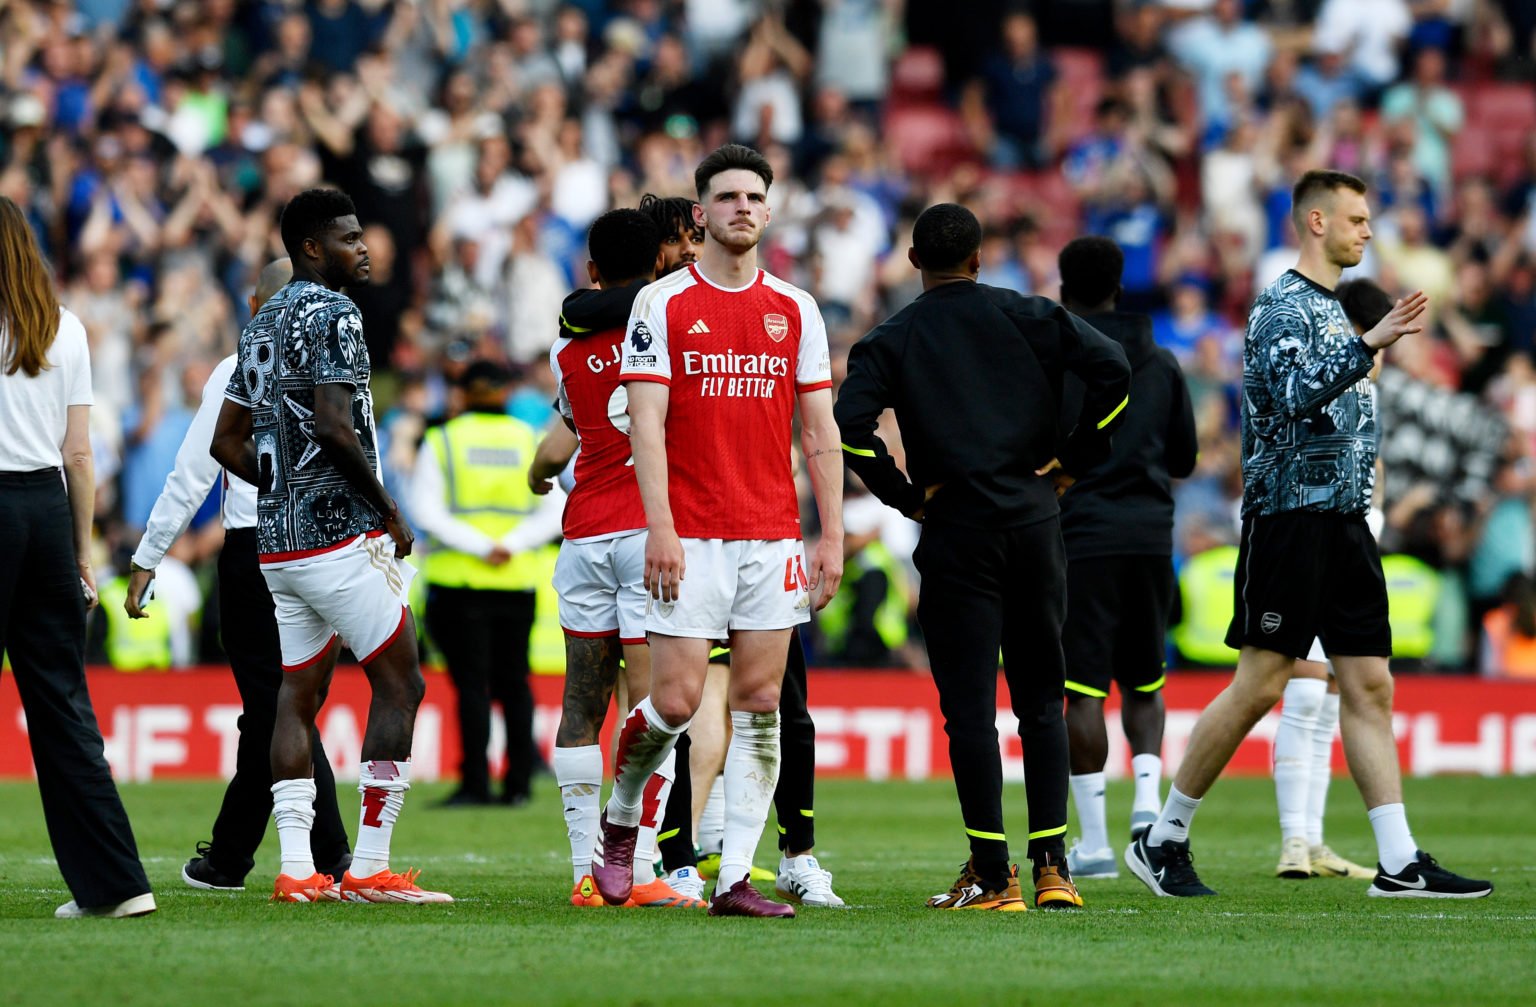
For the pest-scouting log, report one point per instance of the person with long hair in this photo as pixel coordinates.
(47, 494)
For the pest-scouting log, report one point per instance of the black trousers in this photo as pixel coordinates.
(249, 631)
(42, 628)
(983, 589)
(794, 800)
(484, 638)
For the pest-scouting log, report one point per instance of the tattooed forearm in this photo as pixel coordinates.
(591, 668)
(823, 451)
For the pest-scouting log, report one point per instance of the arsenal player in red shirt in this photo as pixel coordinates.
(716, 359)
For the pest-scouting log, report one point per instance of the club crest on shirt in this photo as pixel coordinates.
(640, 337)
(777, 327)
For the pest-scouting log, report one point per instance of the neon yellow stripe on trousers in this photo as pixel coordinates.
(990, 835)
(1116, 412)
(861, 452)
(1047, 833)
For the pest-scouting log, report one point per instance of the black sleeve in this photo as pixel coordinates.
(593, 310)
(1106, 375)
(1183, 447)
(865, 394)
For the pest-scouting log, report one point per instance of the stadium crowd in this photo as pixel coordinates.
(153, 142)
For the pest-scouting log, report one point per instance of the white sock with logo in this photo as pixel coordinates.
(1322, 767)
(1175, 819)
(1148, 772)
(1395, 848)
(579, 772)
(1088, 796)
(652, 807)
(644, 741)
(293, 810)
(712, 818)
(751, 776)
(383, 784)
(1293, 752)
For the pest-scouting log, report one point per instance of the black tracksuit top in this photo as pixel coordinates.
(1124, 505)
(975, 376)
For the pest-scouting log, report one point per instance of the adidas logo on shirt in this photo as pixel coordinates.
(698, 328)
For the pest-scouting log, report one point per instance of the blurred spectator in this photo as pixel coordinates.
(1188, 321)
(1013, 89)
(1435, 110)
(1509, 632)
(1212, 47)
(1371, 31)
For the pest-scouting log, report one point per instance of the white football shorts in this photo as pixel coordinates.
(735, 584)
(601, 586)
(358, 592)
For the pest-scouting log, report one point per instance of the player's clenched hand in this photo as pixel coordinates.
(540, 487)
(400, 532)
(1404, 319)
(826, 571)
(663, 565)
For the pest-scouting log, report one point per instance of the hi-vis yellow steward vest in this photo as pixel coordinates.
(134, 644)
(484, 458)
(1413, 591)
(1205, 584)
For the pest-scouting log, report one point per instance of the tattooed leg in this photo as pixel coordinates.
(591, 668)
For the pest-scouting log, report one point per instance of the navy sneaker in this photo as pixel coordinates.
(1425, 879)
(1168, 870)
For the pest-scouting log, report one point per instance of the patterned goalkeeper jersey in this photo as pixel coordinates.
(1309, 413)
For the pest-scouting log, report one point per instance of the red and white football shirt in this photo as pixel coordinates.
(734, 360)
(606, 500)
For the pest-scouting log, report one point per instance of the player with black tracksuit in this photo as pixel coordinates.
(975, 375)
(1117, 523)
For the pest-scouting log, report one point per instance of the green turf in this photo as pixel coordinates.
(512, 939)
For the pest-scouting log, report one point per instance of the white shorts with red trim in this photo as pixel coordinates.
(356, 591)
(735, 584)
(601, 586)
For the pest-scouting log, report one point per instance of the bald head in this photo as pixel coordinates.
(274, 276)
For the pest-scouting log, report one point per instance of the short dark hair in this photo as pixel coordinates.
(1090, 270)
(945, 235)
(624, 244)
(671, 214)
(309, 213)
(1364, 302)
(1316, 182)
(728, 158)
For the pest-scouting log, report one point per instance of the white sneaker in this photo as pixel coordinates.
(1295, 859)
(139, 905)
(1083, 863)
(687, 881)
(801, 879)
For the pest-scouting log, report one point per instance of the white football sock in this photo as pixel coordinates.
(712, 818)
(1293, 752)
(383, 785)
(1148, 772)
(1088, 796)
(1395, 848)
(751, 776)
(1322, 767)
(644, 742)
(1175, 819)
(293, 809)
(653, 805)
(579, 772)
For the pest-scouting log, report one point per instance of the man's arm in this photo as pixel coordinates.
(338, 442)
(1106, 375)
(824, 460)
(232, 446)
(1300, 384)
(1182, 448)
(648, 402)
(865, 394)
(551, 457)
(193, 475)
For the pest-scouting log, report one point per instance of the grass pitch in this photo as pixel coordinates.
(512, 938)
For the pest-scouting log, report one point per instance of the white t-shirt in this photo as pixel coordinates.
(33, 411)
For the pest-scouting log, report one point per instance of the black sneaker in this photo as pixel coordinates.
(339, 868)
(1168, 870)
(199, 872)
(1425, 879)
